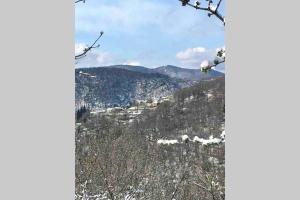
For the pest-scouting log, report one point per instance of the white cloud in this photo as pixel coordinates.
(101, 59)
(132, 62)
(192, 57)
(104, 58)
(121, 16)
(133, 15)
(96, 59)
(190, 53)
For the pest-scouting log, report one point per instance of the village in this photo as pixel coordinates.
(127, 114)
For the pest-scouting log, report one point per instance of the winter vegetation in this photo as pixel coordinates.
(122, 85)
(173, 151)
(150, 133)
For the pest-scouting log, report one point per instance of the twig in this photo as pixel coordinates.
(177, 187)
(210, 11)
(83, 1)
(218, 5)
(86, 50)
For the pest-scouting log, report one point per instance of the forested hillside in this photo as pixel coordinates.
(111, 87)
(172, 151)
(120, 85)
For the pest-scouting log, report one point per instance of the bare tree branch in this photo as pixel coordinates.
(211, 11)
(93, 46)
(77, 1)
(177, 187)
(89, 48)
(218, 5)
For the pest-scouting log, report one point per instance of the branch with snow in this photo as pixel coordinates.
(209, 7)
(213, 10)
(220, 58)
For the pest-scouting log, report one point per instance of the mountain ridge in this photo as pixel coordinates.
(120, 85)
(171, 70)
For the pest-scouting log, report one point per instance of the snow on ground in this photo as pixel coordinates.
(87, 74)
(186, 138)
(211, 140)
(209, 95)
(162, 141)
(223, 135)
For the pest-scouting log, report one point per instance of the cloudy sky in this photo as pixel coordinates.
(149, 33)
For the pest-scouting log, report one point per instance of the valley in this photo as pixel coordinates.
(165, 140)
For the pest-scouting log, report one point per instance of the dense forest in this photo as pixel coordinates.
(175, 151)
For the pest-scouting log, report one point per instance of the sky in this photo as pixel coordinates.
(148, 33)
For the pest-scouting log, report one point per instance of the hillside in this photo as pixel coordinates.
(111, 87)
(120, 85)
(174, 72)
(170, 152)
(187, 74)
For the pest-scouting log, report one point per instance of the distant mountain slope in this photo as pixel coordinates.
(110, 87)
(133, 68)
(187, 74)
(174, 72)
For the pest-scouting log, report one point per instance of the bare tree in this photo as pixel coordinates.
(90, 47)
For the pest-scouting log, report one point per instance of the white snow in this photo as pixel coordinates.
(196, 139)
(213, 160)
(223, 134)
(87, 74)
(162, 141)
(212, 7)
(211, 140)
(185, 138)
(204, 64)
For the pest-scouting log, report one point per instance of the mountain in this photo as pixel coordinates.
(120, 85)
(112, 86)
(174, 72)
(187, 74)
(133, 68)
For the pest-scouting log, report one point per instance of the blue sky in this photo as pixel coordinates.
(149, 33)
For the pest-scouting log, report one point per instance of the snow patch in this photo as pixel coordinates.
(185, 138)
(196, 139)
(168, 142)
(212, 8)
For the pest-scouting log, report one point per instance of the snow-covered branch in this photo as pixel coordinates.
(208, 7)
(220, 58)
